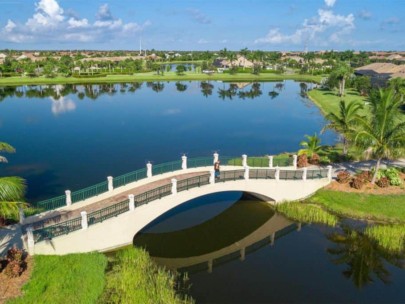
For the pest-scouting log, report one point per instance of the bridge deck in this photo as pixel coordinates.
(63, 214)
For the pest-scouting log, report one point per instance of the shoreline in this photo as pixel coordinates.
(170, 76)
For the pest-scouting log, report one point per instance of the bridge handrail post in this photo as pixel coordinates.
(85, 224)
(30, 240)
(270, 161)
(184, 162)
(21, 215)
(304, 174)
(216, 157)
(148, 170)
(131, 198)
(295, 159)
(110, 183)
(277, 174)
(244, 160)
(212, 176)
(68, 197)
(329, 173)
(246, 174)
(174, 186)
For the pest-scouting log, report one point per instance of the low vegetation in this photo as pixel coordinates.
(307, 213)
(134, 278)
(390, 237)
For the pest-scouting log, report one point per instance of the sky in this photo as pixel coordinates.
(271, 25)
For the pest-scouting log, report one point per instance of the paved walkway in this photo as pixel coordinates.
(352, 167)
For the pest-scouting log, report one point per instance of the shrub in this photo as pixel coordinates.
(383, 182)
(357, 183)
(325, 160)
(15, 254)
(314, 159)
(366, 176)
(14, 269)
(14, 264)
(302, 161)
(343, 177)
(393, 175)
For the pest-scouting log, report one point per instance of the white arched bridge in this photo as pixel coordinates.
(108, 215)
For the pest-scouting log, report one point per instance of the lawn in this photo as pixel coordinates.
(387, 208)
(73, 278)
(152, 76)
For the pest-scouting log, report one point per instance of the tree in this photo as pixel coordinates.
(345, 121)
(180, 69)
(341, 73)
(362, 84)
(244, 52)
(311, 146)
(383, 131)
(12, 190)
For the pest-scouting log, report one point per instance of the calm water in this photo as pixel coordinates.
(314, 264)
(70, 137)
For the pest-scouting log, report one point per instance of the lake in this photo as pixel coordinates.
(73, 136)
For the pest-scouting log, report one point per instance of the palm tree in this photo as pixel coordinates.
(342, 72)
(311, 146)
(345, 121)
(12, 190)
(384, 129)
(244, 52)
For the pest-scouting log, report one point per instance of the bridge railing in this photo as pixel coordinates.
(49, 232)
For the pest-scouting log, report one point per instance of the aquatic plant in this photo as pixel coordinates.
(308, 213)
(390, 237)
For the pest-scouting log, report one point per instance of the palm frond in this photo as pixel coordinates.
(6, 147)
(12, 188)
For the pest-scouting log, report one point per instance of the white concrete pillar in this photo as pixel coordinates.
(216, 157)
(271, 161)
(304, 173)
(148, 170)
(246, 174)
(299, 227)
(212, 176)
(244, 160)
(22, 215)
(329, 173)
(110, 183)
(131, 198)
(85, 224)
(272, 238)
(184, 162)
(295, 159)
(277, 175)
(68, 197)
(243, 254)
(210, 262)
(174, 186)
(30, 240)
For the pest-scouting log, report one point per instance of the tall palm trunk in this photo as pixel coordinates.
(377, 167)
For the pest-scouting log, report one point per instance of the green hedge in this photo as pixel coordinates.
(86, 75)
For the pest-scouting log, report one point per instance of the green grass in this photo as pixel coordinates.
(73, 278)
(152, 76)
(263, 161)
(387, 208)
(328, 101)
(390, 237)
(134, 278)
(307, 213)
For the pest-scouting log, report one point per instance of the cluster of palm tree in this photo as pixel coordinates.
(380, 131)
(12, 190)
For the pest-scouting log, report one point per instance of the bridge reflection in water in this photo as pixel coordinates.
(244, 227)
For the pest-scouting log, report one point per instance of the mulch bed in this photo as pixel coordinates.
(11, 287)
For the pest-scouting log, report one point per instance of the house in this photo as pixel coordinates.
(380, 73)
(240, 61)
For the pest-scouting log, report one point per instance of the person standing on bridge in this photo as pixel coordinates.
(216, 168)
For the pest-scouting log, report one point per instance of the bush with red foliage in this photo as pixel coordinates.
(366, 176)
(315, 159)
(357, 183)
(302, 161)
(383, 182)
(343, 177)
(14, 264)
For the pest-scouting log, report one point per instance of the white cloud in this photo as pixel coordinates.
(202, 41)
(364, 14)
(49, 23)
(198, 16)
(326, 26)
(330, 3)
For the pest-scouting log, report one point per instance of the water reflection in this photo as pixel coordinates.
(363, 258)
(241, 90)
(62, 105)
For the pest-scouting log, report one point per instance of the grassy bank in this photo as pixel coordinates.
(73, 278)
(387, 208)
(307, 213)
(169, 76)
(328, 101)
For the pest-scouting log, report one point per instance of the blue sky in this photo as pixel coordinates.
(203, 24)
